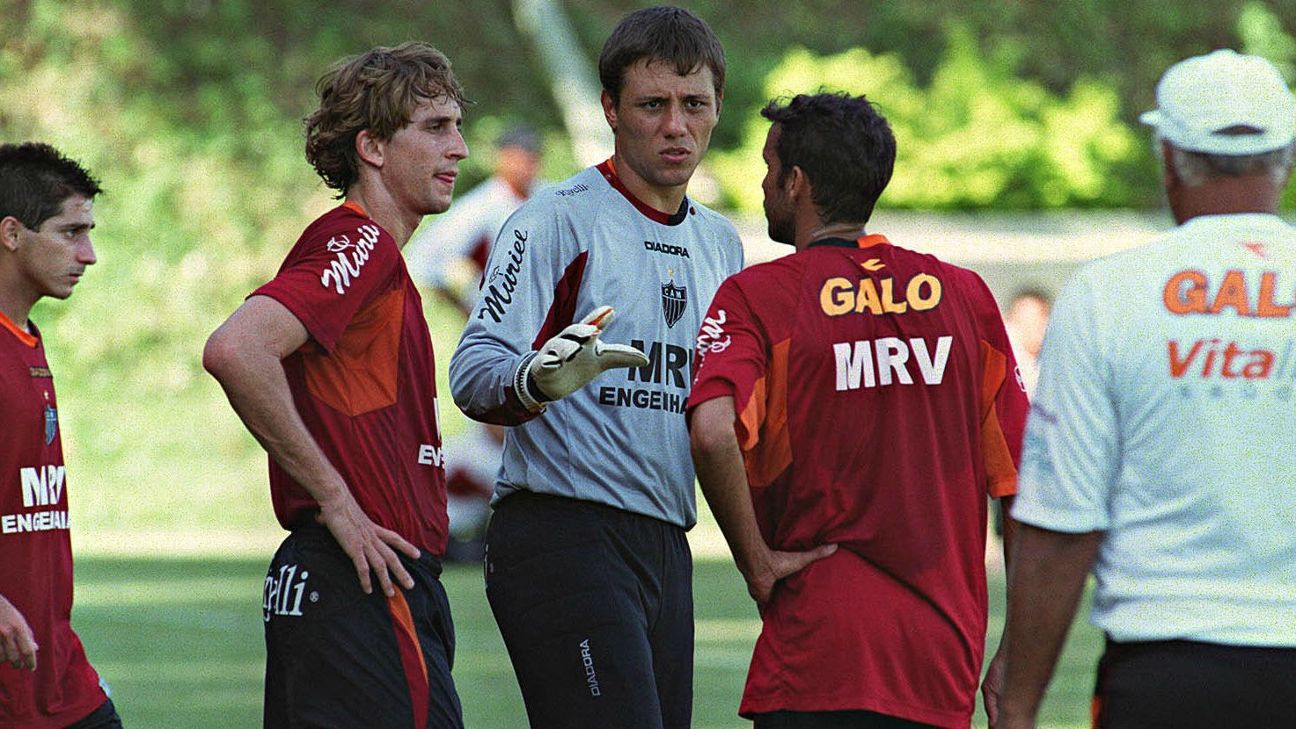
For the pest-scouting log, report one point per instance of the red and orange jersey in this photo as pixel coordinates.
(364, 382)
(36, 567)
(877, 407)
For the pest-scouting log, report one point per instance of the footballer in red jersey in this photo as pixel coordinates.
(855, 403)
(330, 366)
(46, 213)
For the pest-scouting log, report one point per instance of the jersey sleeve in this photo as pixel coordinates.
(1004, 405)
(1071, 451)
(730, 359)
(528, 294)
(331, 274)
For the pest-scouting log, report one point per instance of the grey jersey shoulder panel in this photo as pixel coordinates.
(621, 440)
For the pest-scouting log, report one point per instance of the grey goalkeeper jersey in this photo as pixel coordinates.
(620, 440)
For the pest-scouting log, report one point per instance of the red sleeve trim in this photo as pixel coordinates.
(562, 312)
(1001, 471)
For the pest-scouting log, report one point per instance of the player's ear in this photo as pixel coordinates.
(798, 183)
(369, 148)
(9, 230)
(609, 109)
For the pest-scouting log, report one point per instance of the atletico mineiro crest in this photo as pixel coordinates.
(51, 424)
(674, 300)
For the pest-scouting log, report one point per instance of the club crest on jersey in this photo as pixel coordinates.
(674, 301)
(51, 423)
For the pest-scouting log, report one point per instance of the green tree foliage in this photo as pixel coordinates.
(190, 111)
(977, 136)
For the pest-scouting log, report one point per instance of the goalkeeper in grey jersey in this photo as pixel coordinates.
(588, 570)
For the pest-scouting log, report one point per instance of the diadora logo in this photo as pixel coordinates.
(285, 592)
(503, 281)
(351, 257)
(591, 676)
(1257, 248)
(42, 485)
(667, 249)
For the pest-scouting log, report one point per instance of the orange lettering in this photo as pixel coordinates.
(1179, 365)
(867, 297)
(889, 304)
(1232, 293)
(1189, 299)
(1261, 364)
(1266, 306)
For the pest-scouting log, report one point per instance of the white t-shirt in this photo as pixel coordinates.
(1165, 418)
(449, 250)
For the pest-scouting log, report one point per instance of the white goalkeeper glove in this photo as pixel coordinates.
(568, 361)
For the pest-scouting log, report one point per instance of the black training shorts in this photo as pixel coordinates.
(595, 605)
(1183, 684)
(336, 657)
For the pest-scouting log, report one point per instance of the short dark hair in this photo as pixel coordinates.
(663, 33)
(35, 181)
(378, 91)
(844, 146)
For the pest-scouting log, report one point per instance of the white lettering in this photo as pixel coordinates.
(851, 363)
(42, 485)
(430, 455)
(882, 362)
(40, 521)
(283, 595)
(891, 357)
(933, 372)
(343, 269)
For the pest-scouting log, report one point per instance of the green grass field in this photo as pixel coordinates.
(179, 639)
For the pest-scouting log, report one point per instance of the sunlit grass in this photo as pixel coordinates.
(180, 642)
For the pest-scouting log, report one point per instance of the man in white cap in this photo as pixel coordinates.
(1159, 452)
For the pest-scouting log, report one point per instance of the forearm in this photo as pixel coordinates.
(482, 373)
(1047, 579)
(720, 472)
(258, 391)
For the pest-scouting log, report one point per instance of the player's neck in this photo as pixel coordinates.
(384, 211)
(665, 200)
(809, 232)
(16, 299)
(1225, 196)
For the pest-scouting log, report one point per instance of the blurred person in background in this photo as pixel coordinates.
(330, 366)
(1026, 319)
(854, 405)
(449, 255)
(1158, 453)
(46, 214)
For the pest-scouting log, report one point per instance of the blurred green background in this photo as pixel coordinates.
(190, 113)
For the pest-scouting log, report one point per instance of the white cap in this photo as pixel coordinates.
(1199, 97)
